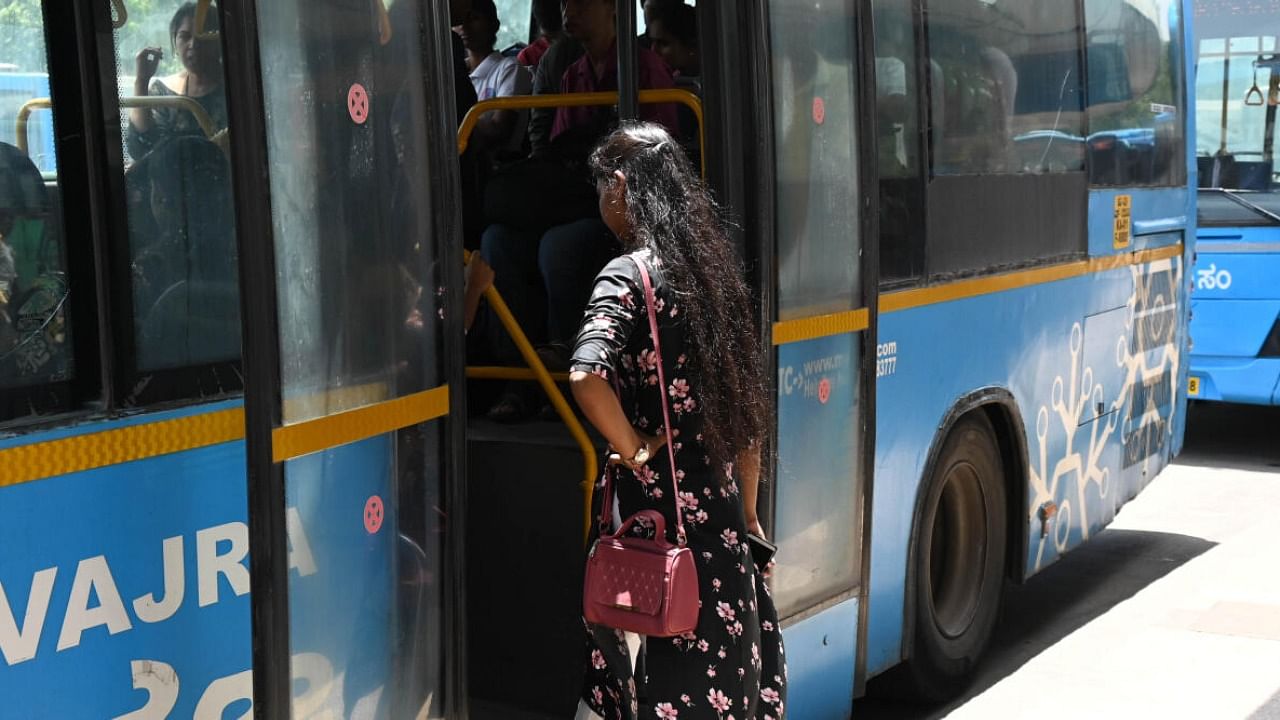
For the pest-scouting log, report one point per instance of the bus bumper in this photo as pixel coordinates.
(1255, 381)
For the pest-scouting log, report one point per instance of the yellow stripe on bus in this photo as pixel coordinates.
(121, 445)
(811, 328)
(294, 441)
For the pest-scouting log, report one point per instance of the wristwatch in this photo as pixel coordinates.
(641, 457)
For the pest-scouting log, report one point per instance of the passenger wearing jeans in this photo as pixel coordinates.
(546, 274)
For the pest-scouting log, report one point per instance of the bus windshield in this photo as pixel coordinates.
(1237, 94)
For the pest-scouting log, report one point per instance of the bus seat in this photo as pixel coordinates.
(1254, 175)
(1217, 171)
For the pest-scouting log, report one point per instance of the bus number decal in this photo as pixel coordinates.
(1123, 221)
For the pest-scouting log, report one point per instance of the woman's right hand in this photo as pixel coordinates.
(146, 62)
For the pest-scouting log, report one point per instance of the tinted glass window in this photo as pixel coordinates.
(1135, 92)
(819, 251)
(1007, 85)
(1237, 76)
(353, 177)
(182, 250)
(816, 157)
(35, 332)
(898, 146)
(514, 16)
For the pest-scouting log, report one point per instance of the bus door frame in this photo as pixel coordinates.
(752, 97)
(268, 542)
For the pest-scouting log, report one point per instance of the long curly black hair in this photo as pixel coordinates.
(671, 212)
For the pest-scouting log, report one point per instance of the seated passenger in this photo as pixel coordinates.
(33, 286)
(650, 8)
(545, 269)
(673, 30)
(593, 23)
(550, 29)
(199, 79)
(546, 81)
(499, 132)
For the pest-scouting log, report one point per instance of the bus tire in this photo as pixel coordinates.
(959, 561)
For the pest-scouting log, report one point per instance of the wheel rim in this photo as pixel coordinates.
(957, 551)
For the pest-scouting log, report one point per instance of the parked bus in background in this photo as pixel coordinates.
(1235, 310)
(236, 464)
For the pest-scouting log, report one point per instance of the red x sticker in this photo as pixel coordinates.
(824, 391)
(373, 514)
(358, 103)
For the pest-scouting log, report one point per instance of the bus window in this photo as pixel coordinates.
(35, 334)
(1237, 78)
(819, 249)
(817, 158)
(898, 142)
(1009, 86)
(1136, 95)
(182, 250)
(514, 16)
(1006, 135)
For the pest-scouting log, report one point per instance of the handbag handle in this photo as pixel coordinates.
(653, 516)
(650, 301)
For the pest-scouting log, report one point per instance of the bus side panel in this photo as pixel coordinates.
(1088, 452)
(157, 551)
(127, 586)
(1235, 312)
(820, 661)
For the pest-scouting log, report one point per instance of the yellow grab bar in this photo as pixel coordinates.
(202, 12)
(525, 102)
(144, 101)
(539, 372)
(484, 372)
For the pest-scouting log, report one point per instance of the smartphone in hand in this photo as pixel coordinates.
(762, 551)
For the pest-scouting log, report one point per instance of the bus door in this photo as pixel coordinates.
(820, 239)
(344, 159)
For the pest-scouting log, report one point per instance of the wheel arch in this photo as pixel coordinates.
(1001, 410)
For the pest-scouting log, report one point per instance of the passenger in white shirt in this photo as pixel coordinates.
(494, 75)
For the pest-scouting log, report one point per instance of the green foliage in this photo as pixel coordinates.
(22, 34)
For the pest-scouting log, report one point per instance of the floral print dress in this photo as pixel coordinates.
(732, 665)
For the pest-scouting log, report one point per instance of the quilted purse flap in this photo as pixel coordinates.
(628, 578)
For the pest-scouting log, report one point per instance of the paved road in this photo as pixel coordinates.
(1173, 612)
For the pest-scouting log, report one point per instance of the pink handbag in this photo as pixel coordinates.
(636, 584)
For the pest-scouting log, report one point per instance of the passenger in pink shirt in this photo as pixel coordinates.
(546, 273)
(592, 23)
(550, 29)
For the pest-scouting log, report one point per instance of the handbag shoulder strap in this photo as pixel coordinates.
(651, 302)
(606, 507)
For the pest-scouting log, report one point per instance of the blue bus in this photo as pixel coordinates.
(237, 471)
(1236, 302)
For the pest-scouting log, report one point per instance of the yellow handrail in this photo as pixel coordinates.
(202, 12)
(486, 372)
(526, 102)
(548, 384)
(145, 101)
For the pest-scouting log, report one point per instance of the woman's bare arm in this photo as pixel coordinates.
(602, 408)
(749, 478)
